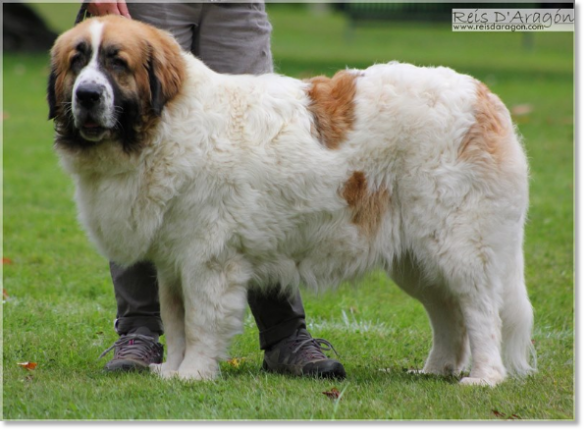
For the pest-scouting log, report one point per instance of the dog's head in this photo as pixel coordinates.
(110, 80)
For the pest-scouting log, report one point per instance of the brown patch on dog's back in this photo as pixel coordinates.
(332, 106)
(368, 207)
(488, 135)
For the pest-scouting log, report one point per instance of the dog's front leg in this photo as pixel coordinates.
(214, 296)
(173, 315)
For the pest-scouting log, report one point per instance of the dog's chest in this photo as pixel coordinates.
(121, 217)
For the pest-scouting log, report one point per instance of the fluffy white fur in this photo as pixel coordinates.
(233, 190)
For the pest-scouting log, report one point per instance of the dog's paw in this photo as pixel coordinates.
(484, 382)
(486, 377)
(163, 371)
(443, 369)
(195, 370)
(155, 368)
(197, 374)
(198, 368)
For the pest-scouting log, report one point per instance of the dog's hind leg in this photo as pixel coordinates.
(214, 296)
(473, 278)
(517, 317)
(486, 274)
(483, 324)
(450, 350)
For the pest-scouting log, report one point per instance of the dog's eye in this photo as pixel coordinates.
(118, 64)
(77, 61)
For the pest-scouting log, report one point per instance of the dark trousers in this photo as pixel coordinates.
(137, 296)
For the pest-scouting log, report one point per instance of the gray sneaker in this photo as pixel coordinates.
(302, 355)
(135, 351)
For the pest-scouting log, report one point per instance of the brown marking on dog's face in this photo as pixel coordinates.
(368, 207)
(154, 69)
(332, 106)
(68, 54)
(487, 136)
(125, 53)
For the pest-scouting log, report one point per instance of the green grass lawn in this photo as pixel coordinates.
(60, 304)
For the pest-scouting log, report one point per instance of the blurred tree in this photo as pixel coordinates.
(24, 30)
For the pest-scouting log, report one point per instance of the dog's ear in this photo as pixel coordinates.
(51, 95)
(166, 70)
(158, 100)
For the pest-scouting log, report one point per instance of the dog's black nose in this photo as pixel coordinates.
(89, 94)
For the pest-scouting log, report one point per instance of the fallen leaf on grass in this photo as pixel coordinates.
(4, 294)
(334, 393)
(28, 365)
(6, 260)
(504, 416)
(5, 115)
(236, 362)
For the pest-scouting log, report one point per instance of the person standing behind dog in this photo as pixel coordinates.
(230, 38)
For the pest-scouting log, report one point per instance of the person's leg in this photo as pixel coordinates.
(288, 346)
(138, 319)
(137, 298)
(277, 316)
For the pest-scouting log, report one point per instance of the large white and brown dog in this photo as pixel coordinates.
(229, 183)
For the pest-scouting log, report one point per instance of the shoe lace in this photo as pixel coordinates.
(133, 345)
(313, 347)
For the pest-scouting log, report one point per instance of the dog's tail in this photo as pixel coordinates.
(516, 314)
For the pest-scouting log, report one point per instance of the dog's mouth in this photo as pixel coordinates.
(91, 130)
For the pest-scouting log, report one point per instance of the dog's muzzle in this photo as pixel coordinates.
(93, 105)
